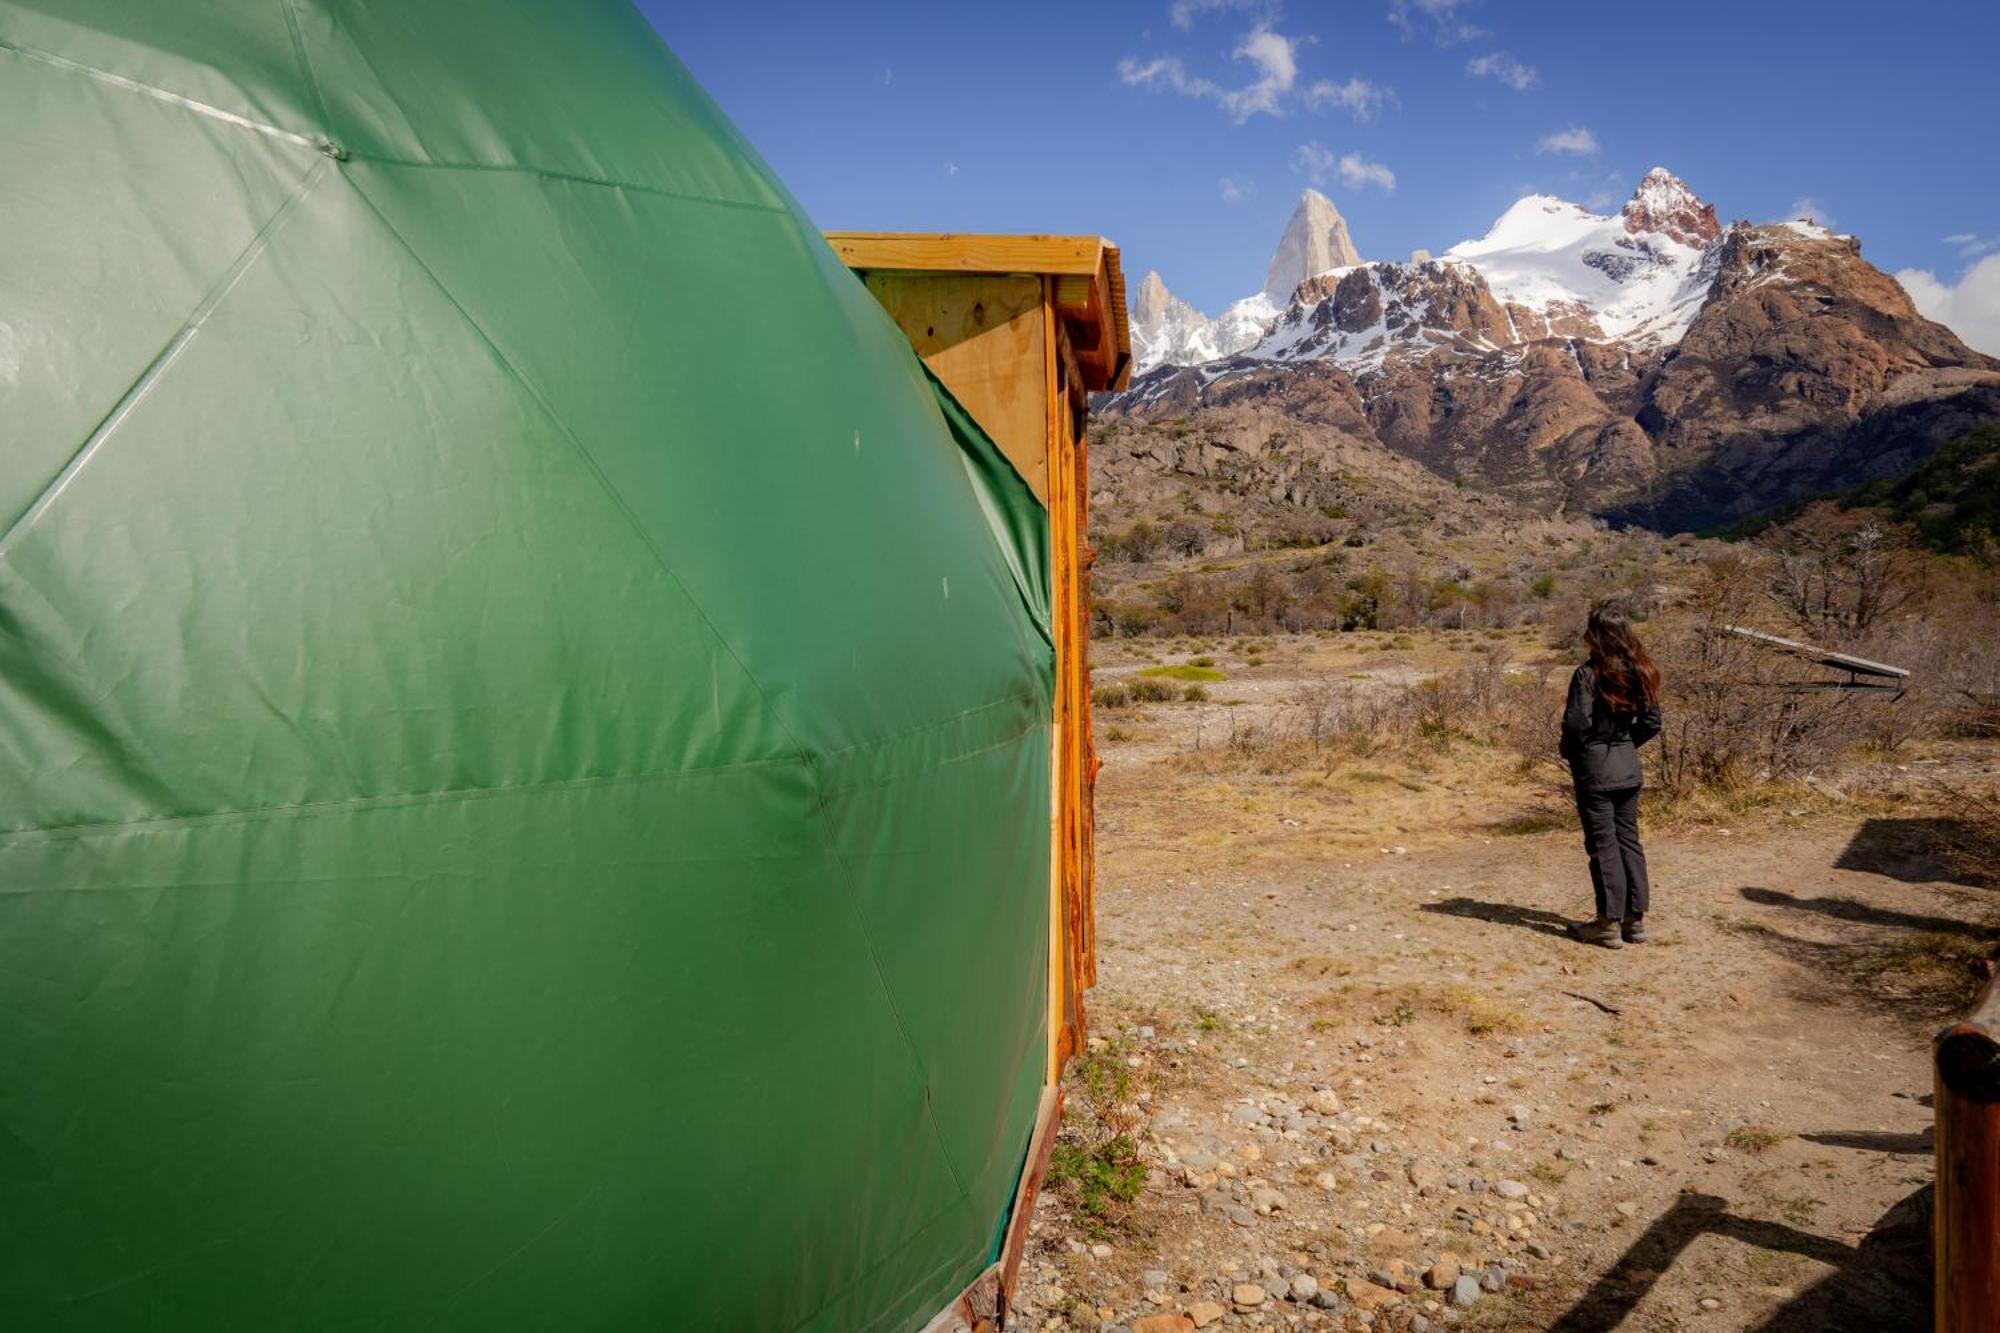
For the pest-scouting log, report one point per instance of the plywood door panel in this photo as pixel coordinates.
(986, 337)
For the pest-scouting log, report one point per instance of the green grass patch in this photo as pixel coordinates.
(1187, 671)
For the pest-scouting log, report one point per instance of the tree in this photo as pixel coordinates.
(1843, 571)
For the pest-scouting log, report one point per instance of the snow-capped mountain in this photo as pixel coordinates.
(1635, 275)
(1546, 268)
(1168, 331)
(1649, 365)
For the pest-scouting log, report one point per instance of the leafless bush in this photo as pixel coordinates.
(1843, 571)
(1733, 709)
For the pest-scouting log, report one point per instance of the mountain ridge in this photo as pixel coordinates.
(1650, 366)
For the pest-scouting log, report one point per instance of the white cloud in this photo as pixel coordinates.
(888, 77)
(1273, 55)
(1320, 163)
(1358, 97)
(1439, 19)
(1357, 171)
(1807, 209)
(1505, 68)
(1235, 191)
(1970, 245)
(950, 170)
(1277, 70)
(1315, 160)
(1969, 307)
(1576, 140)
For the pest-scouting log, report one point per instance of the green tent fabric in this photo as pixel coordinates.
(524, 718)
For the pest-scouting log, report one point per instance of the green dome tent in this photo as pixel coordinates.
(524, 713)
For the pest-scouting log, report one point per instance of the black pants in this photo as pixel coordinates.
(1617, 861)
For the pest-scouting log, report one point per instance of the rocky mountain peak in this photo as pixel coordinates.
(1315, 240)
(1663, 203)
(1151, 304)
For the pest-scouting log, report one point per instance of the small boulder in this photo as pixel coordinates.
(1163, 1323)
(1367, 1295)
(1465, 1291)
(1249, 1295)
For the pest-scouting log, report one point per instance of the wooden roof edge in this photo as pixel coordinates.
(1108, 363)
(1121, 367)
(968, 252)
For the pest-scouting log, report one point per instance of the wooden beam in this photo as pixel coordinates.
(1966, 1214)
(967, 252)
(1087, 284)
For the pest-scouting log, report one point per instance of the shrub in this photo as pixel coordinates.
(1151, 690)
(1195, 694)
(1111, 694)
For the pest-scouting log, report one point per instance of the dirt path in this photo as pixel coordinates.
(1362, 1066)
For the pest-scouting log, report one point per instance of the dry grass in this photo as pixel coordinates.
(1406, 1003)
(1754, 1139)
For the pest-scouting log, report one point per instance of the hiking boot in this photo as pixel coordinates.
(1633, 929)
(1602, 932)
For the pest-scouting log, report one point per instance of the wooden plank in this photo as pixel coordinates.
(1967, 1215)
(1041, 1145)
(985, 336)
(1820, 656)
(967, 252)
(1089, 290)
(975, 1310)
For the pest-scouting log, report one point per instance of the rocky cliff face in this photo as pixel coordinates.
(1169, 331)
(1315, 240)
(1650, 367)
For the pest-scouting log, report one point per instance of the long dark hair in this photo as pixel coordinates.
(1627, 680)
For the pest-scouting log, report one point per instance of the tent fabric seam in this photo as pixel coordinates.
(936, 724)
(590, 463)
(848, 788)
(646, 539)
(387, 801)
(158, 94)
(212, 112)
(305, 63)
(573, 177)
(883, 1262)
(162, 360)
(825, 822)
(390, 800)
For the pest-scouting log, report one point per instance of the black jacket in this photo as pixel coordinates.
(1602, 747)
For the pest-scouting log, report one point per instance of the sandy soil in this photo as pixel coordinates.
(1362, 1053)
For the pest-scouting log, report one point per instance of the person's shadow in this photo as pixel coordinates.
(1502, 914)
(1881, 1285)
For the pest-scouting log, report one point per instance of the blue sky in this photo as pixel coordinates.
(1185, 129)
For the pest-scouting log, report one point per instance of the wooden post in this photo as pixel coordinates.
(1967, 1242)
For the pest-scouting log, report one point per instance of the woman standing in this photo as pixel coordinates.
(1613, 709)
